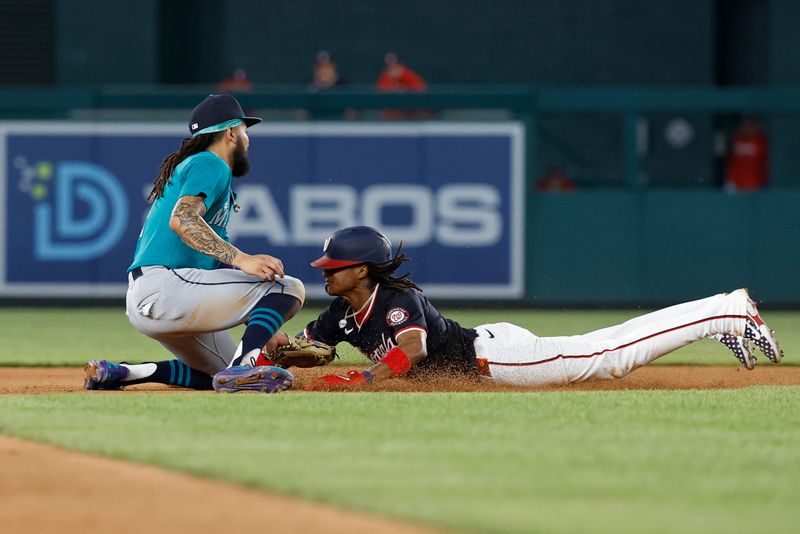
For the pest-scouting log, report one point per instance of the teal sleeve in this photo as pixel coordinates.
(205, 177)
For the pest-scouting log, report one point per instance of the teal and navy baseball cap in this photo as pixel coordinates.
(216, 113)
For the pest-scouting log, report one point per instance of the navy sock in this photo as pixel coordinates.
(175, 373)
(265, 319)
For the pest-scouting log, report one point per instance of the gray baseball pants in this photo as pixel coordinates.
(190, 310)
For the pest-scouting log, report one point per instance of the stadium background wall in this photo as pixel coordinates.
(680, 236)
(606, 42)
(513, 42)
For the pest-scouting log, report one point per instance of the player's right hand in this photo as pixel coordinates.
(278, 340)
(262, 265)
(352, 379)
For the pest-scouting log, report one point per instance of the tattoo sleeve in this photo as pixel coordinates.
(196, 232)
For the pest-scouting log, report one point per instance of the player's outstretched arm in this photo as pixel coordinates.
(410, 350)
(412, 344)
(187, 221)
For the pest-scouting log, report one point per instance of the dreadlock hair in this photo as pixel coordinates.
(189, 147)
(383, 273)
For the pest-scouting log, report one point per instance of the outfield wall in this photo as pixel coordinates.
(618, 247)
(73, 196)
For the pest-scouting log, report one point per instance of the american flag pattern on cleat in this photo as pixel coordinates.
(763, 338)
(740, 346)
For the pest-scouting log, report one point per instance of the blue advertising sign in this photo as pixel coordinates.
(75, 198)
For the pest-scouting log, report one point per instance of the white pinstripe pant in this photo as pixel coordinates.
(516, 356)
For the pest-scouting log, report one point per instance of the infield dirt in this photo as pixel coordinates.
(69, 379)
(48, 489)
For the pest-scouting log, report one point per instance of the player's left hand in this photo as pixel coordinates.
(264, 266)
(351, 380)
(299, 351)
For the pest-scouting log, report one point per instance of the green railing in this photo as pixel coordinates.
(527, 104)
(520, 98)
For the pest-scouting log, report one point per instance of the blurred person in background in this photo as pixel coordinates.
(238, 82)
(325, 73)
(396, 77)
(325, 76)
(746, 168)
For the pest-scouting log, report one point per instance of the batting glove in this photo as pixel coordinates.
(352, 379)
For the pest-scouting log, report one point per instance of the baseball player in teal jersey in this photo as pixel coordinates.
(178, 291)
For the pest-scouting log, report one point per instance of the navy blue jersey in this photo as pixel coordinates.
(374, 330)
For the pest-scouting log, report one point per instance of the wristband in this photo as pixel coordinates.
(397, 360)
(367, 376)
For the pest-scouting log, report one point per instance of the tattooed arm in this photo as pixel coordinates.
(187, 221)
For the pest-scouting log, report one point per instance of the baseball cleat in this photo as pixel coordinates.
(265, 378)
(103, 374)
(740, 346)
(763, 338)
(761, 335)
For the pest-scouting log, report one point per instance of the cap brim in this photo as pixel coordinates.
(250, 121)
(328, 263)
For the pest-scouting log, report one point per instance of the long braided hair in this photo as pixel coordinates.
(189, 147)
(383, 273)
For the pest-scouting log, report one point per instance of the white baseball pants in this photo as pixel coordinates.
(516, 356)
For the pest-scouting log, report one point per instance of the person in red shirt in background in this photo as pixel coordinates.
(398, 78)
(746, 169)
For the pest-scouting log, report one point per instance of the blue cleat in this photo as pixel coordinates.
(103, 375)
(265, 378)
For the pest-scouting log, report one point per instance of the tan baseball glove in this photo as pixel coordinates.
(302, 352)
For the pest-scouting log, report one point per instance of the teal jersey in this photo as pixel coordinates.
(203, 174)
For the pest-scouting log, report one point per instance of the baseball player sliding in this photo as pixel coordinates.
(178, 293)
(390, 321)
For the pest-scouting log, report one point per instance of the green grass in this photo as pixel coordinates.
(71, 336)
(626, 461)
(629, 461)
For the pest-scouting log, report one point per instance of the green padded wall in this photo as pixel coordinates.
(101, 42)
(475, 41)
(784, 69)
(608, 248)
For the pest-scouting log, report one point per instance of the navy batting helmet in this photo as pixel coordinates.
(353, 246)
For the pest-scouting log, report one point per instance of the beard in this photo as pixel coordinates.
(241, 165)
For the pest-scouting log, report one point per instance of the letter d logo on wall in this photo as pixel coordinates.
(80, 232)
